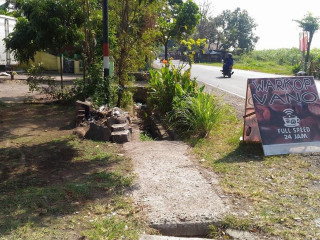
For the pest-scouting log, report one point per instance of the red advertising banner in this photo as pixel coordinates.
(287, 113)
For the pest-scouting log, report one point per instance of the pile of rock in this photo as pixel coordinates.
(103, 124)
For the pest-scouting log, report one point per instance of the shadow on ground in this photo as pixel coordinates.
(50, 177)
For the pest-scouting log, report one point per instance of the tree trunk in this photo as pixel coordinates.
(120, 95)
(61, 70)
(84, 69)
(166, 50)
(308, 52)
(123, 57)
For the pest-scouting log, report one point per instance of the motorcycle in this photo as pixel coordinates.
(227, 72)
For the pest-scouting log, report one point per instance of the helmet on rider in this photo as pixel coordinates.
(230, 55)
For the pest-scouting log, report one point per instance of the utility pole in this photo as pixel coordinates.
(106, 58)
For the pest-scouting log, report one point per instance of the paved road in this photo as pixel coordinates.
(236, 85)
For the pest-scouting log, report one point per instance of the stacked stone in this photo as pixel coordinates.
(109, 125)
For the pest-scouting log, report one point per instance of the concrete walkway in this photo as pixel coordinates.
(149, 237)
(177, 196)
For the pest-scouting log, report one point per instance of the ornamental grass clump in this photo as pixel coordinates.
(196, 115)
(182, 102)
(169, 83)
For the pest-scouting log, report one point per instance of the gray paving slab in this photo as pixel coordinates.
(177, 196)
(153, 237)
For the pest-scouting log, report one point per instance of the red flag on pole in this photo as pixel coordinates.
(303, 41)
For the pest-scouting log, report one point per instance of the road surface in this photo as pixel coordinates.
(236, 85)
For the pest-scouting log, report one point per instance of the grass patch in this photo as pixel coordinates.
(55, 186)
(278, 195)
(145, 137)
(259, 66)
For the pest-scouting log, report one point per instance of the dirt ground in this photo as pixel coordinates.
(167, 175)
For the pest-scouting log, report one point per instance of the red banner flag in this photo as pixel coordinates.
(303, 42)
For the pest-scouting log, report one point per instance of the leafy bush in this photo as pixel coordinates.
(37, 81)
(36, 78)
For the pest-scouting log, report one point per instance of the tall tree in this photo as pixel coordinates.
(47, 25)
(202, 27)
(91, 46)
(236, 31)
(309, 24)
(177, 20)
(132, 36)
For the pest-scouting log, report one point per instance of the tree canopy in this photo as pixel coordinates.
(177, 20)
(228, 31)
(132, 38)
(47, 25)
(236, 31)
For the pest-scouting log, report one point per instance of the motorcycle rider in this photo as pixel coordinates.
(227, 62)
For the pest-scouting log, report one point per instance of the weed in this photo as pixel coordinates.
(145, 137)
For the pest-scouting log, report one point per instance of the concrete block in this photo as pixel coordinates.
(121, 137)
(99, 133)
(119, 127)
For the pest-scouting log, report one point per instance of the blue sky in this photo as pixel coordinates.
(276, 27)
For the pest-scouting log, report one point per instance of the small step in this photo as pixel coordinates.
(121, 137)
(155, 237)
(119, 127)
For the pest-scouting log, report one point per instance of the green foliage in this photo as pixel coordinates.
(132, 37)
(102, 91)
(194, 47)
(234, 222)
(237, 31)
(47, 24)
(284, 56)
(296, 68)
(145, 137)
(309, 24)
(196, 114)
(177, 96)
(177, 20)
(21, 41)
(37, 81)
(167, 84)
(187, 19)
(36, 77)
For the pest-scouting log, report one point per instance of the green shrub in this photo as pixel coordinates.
(167, 84)
(36, 78)
(296, 68)
(196, 114)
